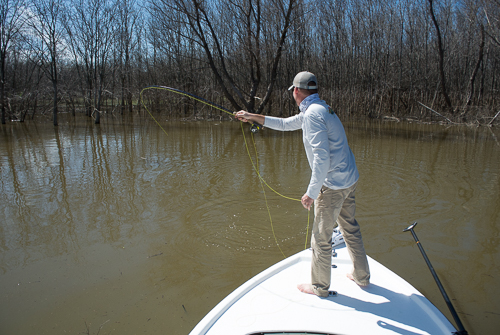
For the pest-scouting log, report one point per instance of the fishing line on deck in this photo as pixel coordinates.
(254, 165)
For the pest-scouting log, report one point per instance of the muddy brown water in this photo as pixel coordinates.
(120, 228)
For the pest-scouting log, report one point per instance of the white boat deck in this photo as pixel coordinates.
(271, 302)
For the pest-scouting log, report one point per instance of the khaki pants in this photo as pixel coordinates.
(330, 207)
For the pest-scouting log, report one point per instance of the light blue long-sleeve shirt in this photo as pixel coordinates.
(330, 158)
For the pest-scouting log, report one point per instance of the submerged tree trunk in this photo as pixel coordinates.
(54, 113)
(2, 95)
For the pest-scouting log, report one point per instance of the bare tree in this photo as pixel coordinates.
(444, 89)
(492, 13)
(91, 30)
(242, 41)
(11, 22)
(476, 68)
(48, 41)
(127, 21)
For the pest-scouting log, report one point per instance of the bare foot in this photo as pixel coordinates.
(306, 288)
(349, 275)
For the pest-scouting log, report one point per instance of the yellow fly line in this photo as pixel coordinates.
(227, 111)
(262, 183)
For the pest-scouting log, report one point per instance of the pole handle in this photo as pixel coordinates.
(461, 329)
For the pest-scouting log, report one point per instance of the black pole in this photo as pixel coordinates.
(461, 329)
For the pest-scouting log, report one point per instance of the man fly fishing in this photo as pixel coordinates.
(332, 185)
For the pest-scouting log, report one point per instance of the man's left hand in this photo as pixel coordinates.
(307, 201)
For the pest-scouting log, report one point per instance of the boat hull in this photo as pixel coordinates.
(271, 302)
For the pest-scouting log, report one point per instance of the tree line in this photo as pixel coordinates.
(418, 59)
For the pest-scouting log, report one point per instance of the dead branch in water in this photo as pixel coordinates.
(493, 118)
(432, 110)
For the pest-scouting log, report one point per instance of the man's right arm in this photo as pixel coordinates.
(276, 123)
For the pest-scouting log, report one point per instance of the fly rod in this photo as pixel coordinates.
(255, 127)
(461, 329)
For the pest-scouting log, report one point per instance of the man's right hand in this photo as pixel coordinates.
(242, 116)
(249, 117)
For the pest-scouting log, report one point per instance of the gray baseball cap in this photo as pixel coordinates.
(302, 80)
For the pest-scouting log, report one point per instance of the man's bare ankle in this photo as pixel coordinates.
(351, 277)
(305, 288)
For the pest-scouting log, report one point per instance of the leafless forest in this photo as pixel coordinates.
(402, 59)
